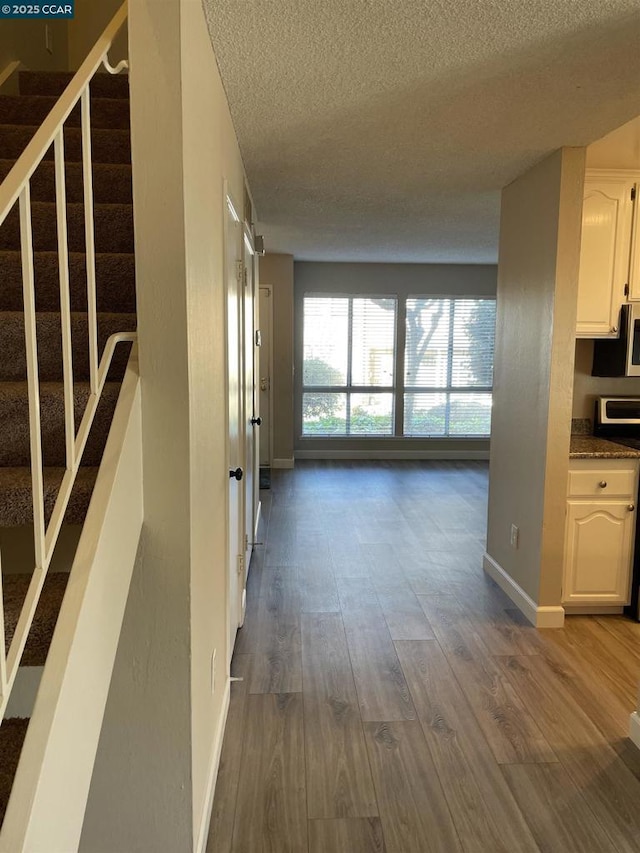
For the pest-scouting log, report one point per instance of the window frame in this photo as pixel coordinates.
(449, 389)
(399, 388)
(349, 389)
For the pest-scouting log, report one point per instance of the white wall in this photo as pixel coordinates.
(619, 149)
(537, 301)
(158, 746)
(210, 156)
(24, 41)
(91, 18)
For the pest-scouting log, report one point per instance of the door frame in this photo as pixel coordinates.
(234, 609)
(250, 399)
(268, 287)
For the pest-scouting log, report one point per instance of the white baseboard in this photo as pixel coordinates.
(634, 728)
(392, 454)
(540, 617)
(282, 463)
(205, 819)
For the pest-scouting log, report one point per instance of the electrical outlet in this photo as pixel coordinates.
(48, 39)
(515, 536)
(213, 672)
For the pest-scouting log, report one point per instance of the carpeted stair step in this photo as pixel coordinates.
(12, 346)
(115, 282)
(12, 734)
(55, 82)
(107, 146)
(14, 417)
(15, 495)
(107, 113)
(15, 588)
(113, 228)
(111, 183)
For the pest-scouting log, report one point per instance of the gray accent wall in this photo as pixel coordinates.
(533, 381)
(383, 279)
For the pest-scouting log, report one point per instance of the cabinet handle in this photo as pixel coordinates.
(631, 507)
(614, 329)
(603, 484)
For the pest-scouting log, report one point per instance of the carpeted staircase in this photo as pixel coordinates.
(19, 119)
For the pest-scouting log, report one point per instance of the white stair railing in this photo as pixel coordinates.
(17, 188)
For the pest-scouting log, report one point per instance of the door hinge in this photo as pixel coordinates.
(626, 289)
(240, 565)
(245, 275)
(239, 271)
(633, 193)
(246, 541)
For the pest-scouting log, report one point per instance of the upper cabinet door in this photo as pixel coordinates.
(634, 264)
(604, 254)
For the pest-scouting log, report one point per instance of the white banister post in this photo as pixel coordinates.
(28, 286)
(89, 232)
(65, 302)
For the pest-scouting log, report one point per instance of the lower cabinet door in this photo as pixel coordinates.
(598, 552)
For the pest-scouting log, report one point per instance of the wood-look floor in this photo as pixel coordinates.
(392, 699)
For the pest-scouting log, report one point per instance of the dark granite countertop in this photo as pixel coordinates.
(590, 447)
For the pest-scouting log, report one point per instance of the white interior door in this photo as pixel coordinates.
(251, 419)
(265, 321)
(235, 444)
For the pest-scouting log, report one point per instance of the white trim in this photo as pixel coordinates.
(283, 463)
(205, 820)
(539, 616)
(269, 288)
(258, 517)
(386, 454)
(634, 728)
(63, 735)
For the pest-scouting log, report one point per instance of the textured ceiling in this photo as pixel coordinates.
(383, 130)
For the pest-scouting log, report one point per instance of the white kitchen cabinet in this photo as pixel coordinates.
(607, 217)
(634, 263)
(599, 541)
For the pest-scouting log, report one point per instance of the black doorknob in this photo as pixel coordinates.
(256, 421)
(236, 474)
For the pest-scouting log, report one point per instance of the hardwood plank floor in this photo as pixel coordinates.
(413, 809)
(395, 701)
(557, 813)
(277, 664)
(484, 812)
(510, 729)
(271, 807)
(593, 766)
(352, 835)
(383, 693)
(224, 803)
(339, 782)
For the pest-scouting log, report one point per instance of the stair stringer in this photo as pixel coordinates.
(51, 787)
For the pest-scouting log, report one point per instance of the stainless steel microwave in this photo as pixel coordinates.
(620, 356)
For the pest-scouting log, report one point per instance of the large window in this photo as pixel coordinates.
(448, 367)
(356, 383)
(349, 363)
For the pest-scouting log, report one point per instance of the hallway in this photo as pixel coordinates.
(392, 699)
